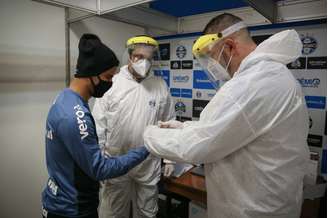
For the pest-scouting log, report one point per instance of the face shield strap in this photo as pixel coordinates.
(234, 28)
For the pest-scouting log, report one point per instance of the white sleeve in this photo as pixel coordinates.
(99, 115)
(221, 131)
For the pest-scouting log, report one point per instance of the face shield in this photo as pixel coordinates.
(208, 50)
(140, 54)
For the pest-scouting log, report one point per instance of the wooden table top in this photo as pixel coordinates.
(188, 185)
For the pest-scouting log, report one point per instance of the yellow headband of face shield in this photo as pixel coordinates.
(142, 40)
(202, 44)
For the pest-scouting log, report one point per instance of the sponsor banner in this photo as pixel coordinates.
(183, 93)
(299, 63)
(198, 106)
(317, 63)
(186, 93)
(183, 107)
(187, 64)
(175, 65)
(313, 82)
(316, 123)
(165, 74)
(309, 82)
(314, 140)
(201, 80)
(204, 94)
(316, 102)
(175, 92)
(181, 79)
(164, 51)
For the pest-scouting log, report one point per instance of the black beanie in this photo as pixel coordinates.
(94, 57)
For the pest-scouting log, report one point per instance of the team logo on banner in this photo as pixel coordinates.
(180, 108)
(309, 83)
(297, 64)
(181, 51)
(309, 44)
(175, 65)
(316, 102)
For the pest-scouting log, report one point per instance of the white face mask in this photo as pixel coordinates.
(217, 71)
(141, 67)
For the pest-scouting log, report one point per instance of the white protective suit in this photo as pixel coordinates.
(251, 137)
(121, 117)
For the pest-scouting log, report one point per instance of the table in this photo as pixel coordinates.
(188, 187)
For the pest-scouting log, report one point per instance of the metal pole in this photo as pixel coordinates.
(67, 47)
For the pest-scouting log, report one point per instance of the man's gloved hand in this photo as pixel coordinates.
(169, 167)
(173, 124)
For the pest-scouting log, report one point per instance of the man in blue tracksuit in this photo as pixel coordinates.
(74, 159)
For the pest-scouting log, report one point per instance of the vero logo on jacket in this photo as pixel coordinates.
(81, 122)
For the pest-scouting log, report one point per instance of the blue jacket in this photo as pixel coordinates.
(74, 160)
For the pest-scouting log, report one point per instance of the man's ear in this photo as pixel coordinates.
(230, 47)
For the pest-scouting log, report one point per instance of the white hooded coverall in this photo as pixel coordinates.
(121, 117)
(251, 137)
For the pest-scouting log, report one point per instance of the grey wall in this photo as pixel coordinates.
(32, 72)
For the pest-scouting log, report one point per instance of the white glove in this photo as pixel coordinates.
(173, 124)
(168, 169)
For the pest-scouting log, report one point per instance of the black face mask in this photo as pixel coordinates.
(101, 88)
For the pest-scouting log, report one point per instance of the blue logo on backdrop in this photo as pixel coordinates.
(165, 74)
(201, 80)
(175, 92)
(309, 83)
(317, 102)
(181, 51)
(184, 93)
(181, 78)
